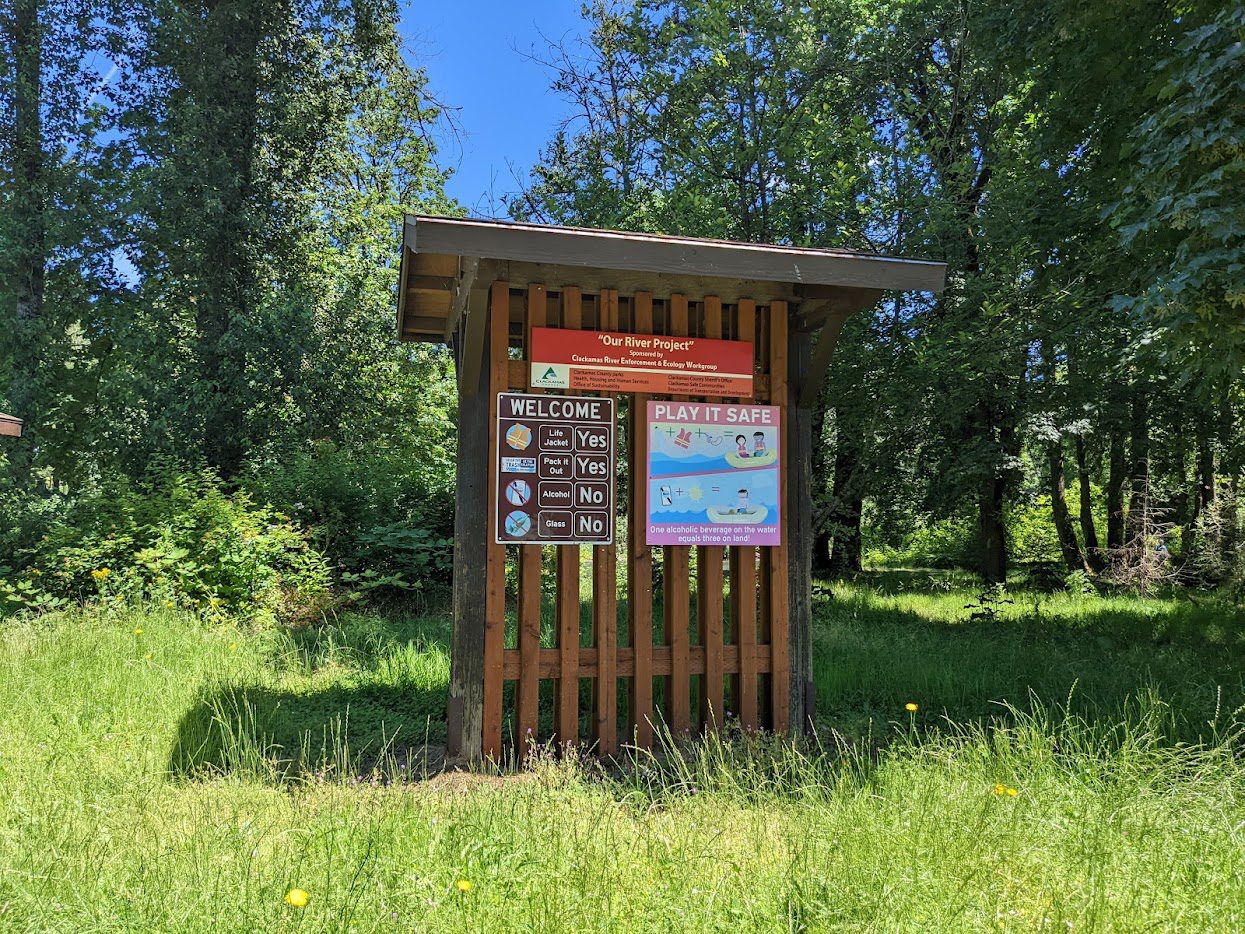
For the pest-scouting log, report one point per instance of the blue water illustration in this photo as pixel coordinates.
(662, 465)
(688, 499)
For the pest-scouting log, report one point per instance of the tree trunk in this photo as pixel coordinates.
(1068, 545)
(1115, 491)
(29, 214)
(992, 531)
(229, 138)
(1089, 532)
(822, 538)
(1138, 519)
(846, 511)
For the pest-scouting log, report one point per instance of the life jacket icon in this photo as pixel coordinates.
(684, 438)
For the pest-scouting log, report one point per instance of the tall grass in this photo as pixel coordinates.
(1126, 821)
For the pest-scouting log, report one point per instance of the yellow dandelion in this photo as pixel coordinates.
(1012, 792)
(911, 707)
(1000, 789)
(138, 630)
(148, 656)
(168, 603)
(297, 898)
(463, 885)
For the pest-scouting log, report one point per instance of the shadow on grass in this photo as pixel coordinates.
(363, 694)
(263, 733)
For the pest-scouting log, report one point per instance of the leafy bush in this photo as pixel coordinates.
(384, 518)
(180, 539)
(945, 543)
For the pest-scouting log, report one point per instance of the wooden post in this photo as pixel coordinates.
(496, 347)
(799, 522)
(471, 534)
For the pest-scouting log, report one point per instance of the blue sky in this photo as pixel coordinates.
(474, 53)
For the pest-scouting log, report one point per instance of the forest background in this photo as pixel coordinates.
(198, 259)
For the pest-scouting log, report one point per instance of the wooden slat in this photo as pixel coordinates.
(744, 612)
(550, 661)
(528, 700)
(780, 676)
(709, 586)
(678, 594)
(743, 572)
(529, 648)
(605, 601)
(640, 555)
(567, 719)
(495, 573)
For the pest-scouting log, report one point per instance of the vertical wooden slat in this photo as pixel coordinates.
(605, 599)
(528, 701)
(744, 606)
(743, 581)
(709, 585)
(567, 719)
(640, 556)
(780, 675)
(495, 573)
(677, 588)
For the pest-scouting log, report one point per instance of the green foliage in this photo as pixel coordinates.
(179, 539)
(1031, 533)
(946, 543)
(1181, 207)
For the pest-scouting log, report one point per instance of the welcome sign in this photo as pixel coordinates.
(606, 361)
(555, 470)
(713, 474)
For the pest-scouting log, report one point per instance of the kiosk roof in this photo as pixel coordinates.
(443, 258)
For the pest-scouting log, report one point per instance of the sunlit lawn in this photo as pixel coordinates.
(1127, 814)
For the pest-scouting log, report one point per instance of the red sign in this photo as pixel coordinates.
(650, 363)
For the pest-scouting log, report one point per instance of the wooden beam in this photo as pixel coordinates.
(840, 310)
(461, 291)
(472, 357)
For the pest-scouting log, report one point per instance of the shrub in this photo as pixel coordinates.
(182, 540)
(383, 517)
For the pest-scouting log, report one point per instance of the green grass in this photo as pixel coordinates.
(123, 807)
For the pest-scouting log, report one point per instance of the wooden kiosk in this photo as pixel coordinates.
(713, 631)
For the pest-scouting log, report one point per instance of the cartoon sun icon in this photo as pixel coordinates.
(696, 493)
